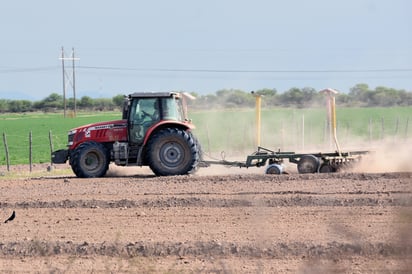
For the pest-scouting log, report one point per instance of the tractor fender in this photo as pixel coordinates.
(166, 124)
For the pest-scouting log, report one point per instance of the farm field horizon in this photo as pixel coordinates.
(229, 130)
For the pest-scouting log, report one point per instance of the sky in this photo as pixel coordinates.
(128, 46)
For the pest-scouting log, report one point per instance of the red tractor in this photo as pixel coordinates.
(154, 131)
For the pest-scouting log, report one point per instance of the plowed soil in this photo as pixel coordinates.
(235, 221)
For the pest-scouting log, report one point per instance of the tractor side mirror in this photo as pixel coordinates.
(126, 104)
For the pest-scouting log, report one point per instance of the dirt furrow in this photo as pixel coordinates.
(214, 248)
(199, 201)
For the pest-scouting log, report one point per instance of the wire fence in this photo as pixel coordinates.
(27, 149)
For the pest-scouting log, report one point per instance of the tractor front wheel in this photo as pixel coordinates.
(172, 151)
(90, 160)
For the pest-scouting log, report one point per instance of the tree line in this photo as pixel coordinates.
(55, 103)
(360, 96)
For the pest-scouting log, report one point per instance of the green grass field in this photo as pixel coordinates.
(232, 131)
(17, 128)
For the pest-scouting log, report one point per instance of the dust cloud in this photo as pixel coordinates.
(120, 171)
(383, 156)
(387, 156)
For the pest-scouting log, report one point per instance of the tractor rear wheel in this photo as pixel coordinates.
(308, 164)
(199, 151)
(172, 151)
(89, 160)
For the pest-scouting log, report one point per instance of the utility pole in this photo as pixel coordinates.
(70, 79)
(74, 83)
(64, 84)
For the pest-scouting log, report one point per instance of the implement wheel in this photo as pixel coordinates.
(308, 164)
(274, 169)
(327, 168)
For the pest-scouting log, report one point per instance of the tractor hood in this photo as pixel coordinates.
(109, 131)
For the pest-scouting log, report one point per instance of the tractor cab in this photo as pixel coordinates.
(144, 111)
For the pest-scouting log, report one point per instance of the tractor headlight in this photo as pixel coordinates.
(71, 137)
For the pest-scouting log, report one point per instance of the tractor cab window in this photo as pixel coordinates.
(144, 113)
(172, 109)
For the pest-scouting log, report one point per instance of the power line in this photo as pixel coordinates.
(33, 69)
(247, 71)
(52, 68)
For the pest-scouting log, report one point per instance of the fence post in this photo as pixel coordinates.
(7, 151)
(229, 141)
(396, 127)
(282, 132)
(208, 139)
(370, 129)
(51, 147)
(303, 132)
(31, 151)
(406, 128)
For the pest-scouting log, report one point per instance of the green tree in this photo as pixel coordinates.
(405, 98)
(292, 97)
(20, 105)
(385, 97)
(86, 102)
(267, 92)
(360, 94)
(343, 99)
(102, 104)
(118, 100)
(4, 105)
(234, 98)
(54, 100)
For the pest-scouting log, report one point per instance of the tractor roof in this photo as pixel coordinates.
(153, 94)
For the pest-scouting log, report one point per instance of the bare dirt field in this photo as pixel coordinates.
(217, 221)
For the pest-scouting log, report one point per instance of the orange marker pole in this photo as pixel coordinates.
(258, 104)
(330, 97)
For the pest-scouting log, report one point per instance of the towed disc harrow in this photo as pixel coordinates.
(306, 162)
